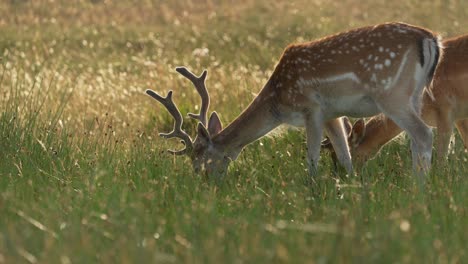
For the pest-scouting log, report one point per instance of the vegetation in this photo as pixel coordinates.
(84, 177)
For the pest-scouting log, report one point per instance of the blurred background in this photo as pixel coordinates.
(108, 52)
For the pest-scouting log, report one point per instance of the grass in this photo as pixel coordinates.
(84, 178)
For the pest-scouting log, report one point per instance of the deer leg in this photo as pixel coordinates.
(462, 127)
(444, 133)
(421, 139)
(313, 125)
(406, 117)
(405, 111)
(338, 137)
(421, 143)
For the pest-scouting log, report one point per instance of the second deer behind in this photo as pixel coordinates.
(447, 108)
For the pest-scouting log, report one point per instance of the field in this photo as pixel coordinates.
(84, 178)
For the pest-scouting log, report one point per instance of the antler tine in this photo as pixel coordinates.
(177, 131)
(199, 83)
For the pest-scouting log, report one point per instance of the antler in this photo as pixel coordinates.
(177, 131)
(199, 83)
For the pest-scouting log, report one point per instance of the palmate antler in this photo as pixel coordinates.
(199, 83)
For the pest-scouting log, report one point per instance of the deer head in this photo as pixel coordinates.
(205, 156)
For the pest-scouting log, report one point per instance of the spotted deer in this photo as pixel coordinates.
(361, 72)
(449, 106)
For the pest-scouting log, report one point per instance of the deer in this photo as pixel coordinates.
(446, 107)
(361, 72)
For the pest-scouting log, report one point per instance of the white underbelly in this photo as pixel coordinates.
(333, 107)
(295, 119)
(353, 106)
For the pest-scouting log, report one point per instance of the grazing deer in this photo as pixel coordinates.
(361, 72)
(449, 106)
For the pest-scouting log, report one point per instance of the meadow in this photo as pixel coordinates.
(84, 178)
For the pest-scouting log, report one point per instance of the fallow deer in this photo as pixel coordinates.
(449, 106)
(361, 72)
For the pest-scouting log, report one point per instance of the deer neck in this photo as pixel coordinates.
(259, 118)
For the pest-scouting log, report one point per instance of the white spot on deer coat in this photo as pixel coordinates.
(378, 66)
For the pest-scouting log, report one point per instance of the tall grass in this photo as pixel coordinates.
(84, 178)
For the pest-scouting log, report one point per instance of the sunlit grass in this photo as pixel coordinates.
(84, 177)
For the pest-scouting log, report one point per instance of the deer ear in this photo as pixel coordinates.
(203, 133)
(214, 124)
(358, 132)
